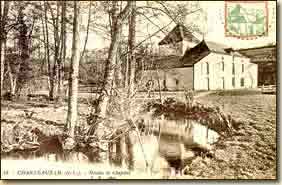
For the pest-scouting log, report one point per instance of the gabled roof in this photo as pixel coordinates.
(177, 34)
(195, 54)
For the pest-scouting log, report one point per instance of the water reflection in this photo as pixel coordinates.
(173, 144)
(166, 144)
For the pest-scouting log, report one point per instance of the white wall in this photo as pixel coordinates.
(218, 78)
(217, 75)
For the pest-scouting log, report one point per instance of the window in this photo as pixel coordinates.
(201, 68)
(207, 83)
(242, 82)
(222, 64)
(243, 68)
(233, 68)
(233, 81)
(176, 82)
(208, 68)
(164, 84)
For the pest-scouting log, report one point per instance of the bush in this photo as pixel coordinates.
(172, 109)
(8, 96)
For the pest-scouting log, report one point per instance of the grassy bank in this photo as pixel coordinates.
(251, 152)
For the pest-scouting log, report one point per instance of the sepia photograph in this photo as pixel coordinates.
(139, 90)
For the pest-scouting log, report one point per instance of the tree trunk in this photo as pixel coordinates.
(104, 97)
(73, 80)
(131, 46)
(48, 52)
(54, 73)
(2, 64)
(1, 53)
(86, 37)
(64, 46)
(87, 33)
(3, 38)
(13, 80)
(109, 74)
(119, 77)
(62, 51)
(126, 77)
(45, 51)
(24, 74)
(113, 19)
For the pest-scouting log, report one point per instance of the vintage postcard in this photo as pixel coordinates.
(138, 90)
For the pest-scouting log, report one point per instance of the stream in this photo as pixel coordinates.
(163, 147)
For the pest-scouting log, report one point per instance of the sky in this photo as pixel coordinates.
(211, 19)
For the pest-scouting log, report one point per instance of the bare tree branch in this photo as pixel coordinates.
(87, 32)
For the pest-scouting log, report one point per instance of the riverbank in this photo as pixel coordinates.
(250, 153)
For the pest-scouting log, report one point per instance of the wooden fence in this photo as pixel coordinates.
(268, 89)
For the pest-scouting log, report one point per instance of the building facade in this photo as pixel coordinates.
(203, 66)
(220, 71)
(265, 58)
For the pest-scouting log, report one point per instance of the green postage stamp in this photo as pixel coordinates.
(246, 19)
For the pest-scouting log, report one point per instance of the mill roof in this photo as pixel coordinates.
(177, 34)
(204, 48)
